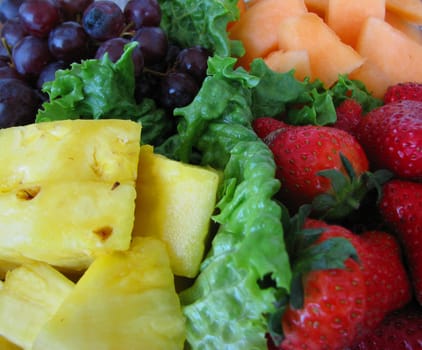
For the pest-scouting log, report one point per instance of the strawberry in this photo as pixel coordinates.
(349, 113)
(266, 125)
(301, 153)
(403, 91)
(401, 329)
(401, 207)
(334, 303)
(342, 305)
(392, 138)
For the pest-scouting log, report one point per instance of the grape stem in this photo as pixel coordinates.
(9, 52)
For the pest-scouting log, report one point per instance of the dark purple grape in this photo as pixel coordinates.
(193, 60)
(115, 47)
(72, 8)
(3, 63)
(143, 13)
(177, 90)
(39, 17)
(103, 20)
(147, 85)
(30, 55)
(68, 42)
(13, 31)
(9, 9)
(153, 43)
(8, 72)
(18, 103)
(4, 53)
(49, 72)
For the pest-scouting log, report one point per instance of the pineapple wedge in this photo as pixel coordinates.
(66, 224)
(174, 204)
(99, 150)
(125, 300)
(30, 295)
(67, 190)
(7, 345)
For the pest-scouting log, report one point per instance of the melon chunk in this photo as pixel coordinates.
(329, 56)
(317, 6)
(284, 61)
(410, 29)
(394, 53)
(174, 204)
(410, 10)
(256, 27)
(346, 17)
(375, 80)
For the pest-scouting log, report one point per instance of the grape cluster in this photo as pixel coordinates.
(38, 37)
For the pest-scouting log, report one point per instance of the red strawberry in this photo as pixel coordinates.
(403, 91)
(334, 302)
(400, 330)
(301, 152)
(265, 125)
(401, 207)
(392, 138)
(387, 282)
(349, 113)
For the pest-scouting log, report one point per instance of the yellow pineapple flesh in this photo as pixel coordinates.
(174, 204)
(29, 297)
(125, 300)
(67, 190)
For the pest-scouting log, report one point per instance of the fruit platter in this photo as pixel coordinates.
(217, 174)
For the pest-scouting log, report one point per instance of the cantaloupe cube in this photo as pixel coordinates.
(410, 29)
(317, 6)
(284, 61)
(329, 56)
(257, 28)
(394, 53)
(410, 10)
(375, 80)
(174, 204)
(346, 17)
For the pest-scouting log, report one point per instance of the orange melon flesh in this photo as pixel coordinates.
(329, 56)
(346, 17)
(394, 53)
(375, 80)
(408, 28)
(256, 27)
(317, 6)
(242, 9)
(283, 61)
(410, 10)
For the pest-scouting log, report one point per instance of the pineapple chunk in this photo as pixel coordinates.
(30, 295)
(125, 300)
(65, 224)
(99, 150)
(7, 345)
(174, 204)
(67, 190)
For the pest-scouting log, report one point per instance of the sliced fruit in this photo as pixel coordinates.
(346, 17)
(29, 297)
(317, 6)
(125, 300)
(410, 10)
(99, 150)
(256, 28)
(410, 29)
(174, 204)
(283, 61)
(329, 56)
(393, 53)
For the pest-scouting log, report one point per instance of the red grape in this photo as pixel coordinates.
(193, 60)
(143, 13)
(30, 55)
(71, 8)
(13, 31)
(153, 43)
(177, 90)
(39, 17)
(9, 9)
(68, 42)
(103, 20)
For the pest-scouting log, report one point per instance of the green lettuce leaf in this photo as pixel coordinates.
(204, 23)
(226, 308)
(99, 89)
